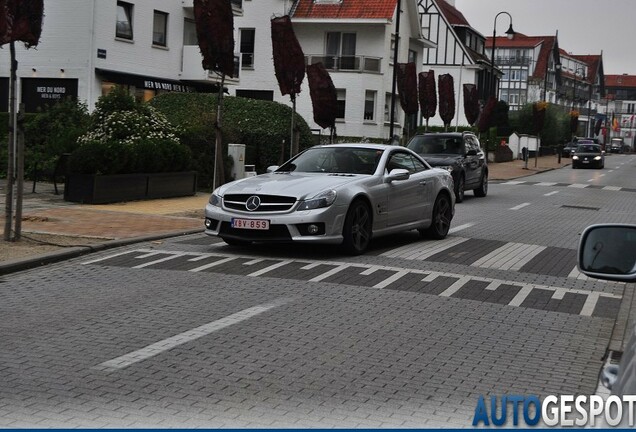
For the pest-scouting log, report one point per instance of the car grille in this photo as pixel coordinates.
(274, 233)
(268, 203)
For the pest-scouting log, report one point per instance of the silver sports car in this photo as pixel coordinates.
(339, 194)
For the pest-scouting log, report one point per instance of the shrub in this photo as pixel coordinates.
(52, 132)
(126, 136)
(261, 125)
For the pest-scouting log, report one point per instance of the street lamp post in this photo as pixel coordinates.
(510, 33)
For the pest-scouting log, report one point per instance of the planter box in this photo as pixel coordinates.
(104, 189)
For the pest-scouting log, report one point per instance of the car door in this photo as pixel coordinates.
(472, 161)
(409, 199)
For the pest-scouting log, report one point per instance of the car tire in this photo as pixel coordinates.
(460, 189)
(356, 231)
(573, 166)
(236, 242)
(441, 218)
(482, 190)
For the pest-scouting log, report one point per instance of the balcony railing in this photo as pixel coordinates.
(513, 61)
(193, 70)
(347, 63)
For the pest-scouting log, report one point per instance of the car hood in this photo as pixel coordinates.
(441, 160)
(299, 185)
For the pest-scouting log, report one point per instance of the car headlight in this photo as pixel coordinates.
(597, 158)
(448, 168)
(323, 199)
(215, 200)
(575, 157)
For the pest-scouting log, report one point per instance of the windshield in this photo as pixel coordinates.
(335, 160)
(588, 148)
(431, 144)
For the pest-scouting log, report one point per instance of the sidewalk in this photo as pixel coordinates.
(72, 229)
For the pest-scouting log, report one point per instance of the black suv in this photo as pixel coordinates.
(459, 153)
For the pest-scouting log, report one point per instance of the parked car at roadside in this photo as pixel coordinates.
(588, 155)
(608, 251)
(344, 194)
(616, 145)
(460, 154)
(568, 149)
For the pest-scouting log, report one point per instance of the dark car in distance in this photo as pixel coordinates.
(588, 155)
(458, 152)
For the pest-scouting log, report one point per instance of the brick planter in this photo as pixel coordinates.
(104, 189)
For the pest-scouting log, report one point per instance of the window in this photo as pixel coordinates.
(412, 57)
(369, 105)
(400, 160)
(341, 96)
(340, 50)
(247, 48)
(124, 27)
(190, 32)
(392, 53)
(387, 109)
(160, 28)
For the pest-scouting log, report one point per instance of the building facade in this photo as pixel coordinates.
(619, 108)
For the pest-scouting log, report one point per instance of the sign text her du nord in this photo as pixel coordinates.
(51, 92)
(162, 86)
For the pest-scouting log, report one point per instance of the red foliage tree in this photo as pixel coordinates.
(21, 20)
(323, 95)
(427, 94)
(407, 87)
(289, 60)
(471, 103)
(485, 118)
(215, 33)
(446, 98)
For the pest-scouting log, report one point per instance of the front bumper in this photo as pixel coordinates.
(283, 227)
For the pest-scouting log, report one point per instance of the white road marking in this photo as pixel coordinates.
(388, 281)
(185, 337)
(423, 250)
(328, 273)
(492, 286)
(513, 182)
(521, 295)
(456, 286)
(269, 268)
(546, 184)
(590, 304)
(511, 256)
(520, 206)
(551, 193)
(559, 293)
(612, 188)
(254, 261)
(460, 227)
(611, 171)
(578, 186)
(109, 257)
(213, 264)
(160, 260)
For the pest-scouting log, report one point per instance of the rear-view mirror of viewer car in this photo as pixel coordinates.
(608, 251)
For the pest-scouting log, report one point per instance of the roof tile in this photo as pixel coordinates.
(346, 9)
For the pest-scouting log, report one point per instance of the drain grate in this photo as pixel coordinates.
(581, 207)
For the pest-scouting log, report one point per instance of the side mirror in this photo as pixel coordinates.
(608, 251)
(272, 168)
(398, 174)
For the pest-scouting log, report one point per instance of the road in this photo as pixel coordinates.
(190, 332)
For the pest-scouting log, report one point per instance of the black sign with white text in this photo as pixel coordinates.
(37, 93)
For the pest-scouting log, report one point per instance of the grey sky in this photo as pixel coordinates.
(585, 26)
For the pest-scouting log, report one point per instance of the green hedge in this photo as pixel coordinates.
(263, 126)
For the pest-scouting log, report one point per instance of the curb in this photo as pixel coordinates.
(27, 263)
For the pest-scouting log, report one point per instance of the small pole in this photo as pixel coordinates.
(292, 147)
(218, 145)
(19, 173)
(8, 223)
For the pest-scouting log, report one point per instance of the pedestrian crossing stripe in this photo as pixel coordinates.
(442, 284)
(569, 185)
